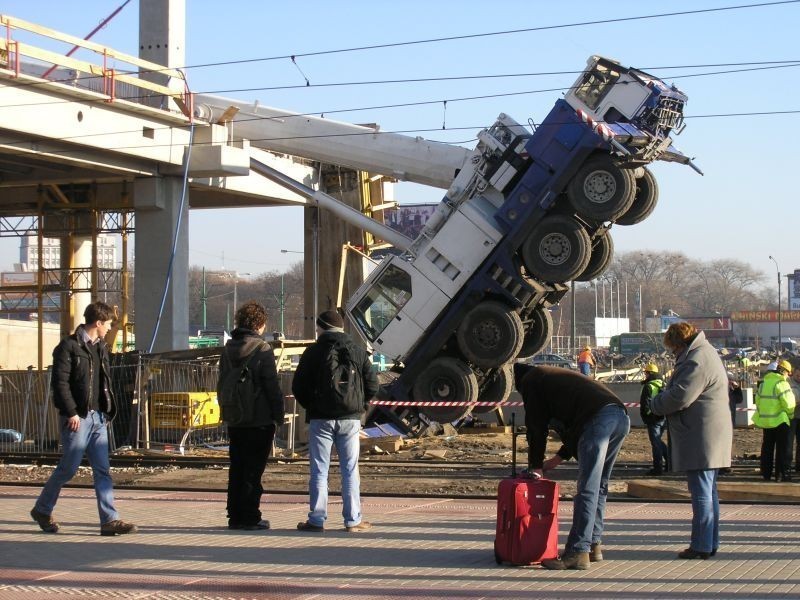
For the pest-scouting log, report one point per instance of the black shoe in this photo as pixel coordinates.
(46, 522)
(306, 526)
(691, 554)
(785, 478)
(261, 525)
(713, 552)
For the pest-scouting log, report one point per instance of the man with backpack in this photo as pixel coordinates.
(251, 403)
(334, 383)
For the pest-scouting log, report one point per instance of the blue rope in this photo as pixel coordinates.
(168, 280)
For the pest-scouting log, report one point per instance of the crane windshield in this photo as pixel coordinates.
(382, 302)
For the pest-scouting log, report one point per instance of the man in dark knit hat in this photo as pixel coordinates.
(334, 382)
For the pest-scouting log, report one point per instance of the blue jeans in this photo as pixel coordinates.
(585, 368)
(598, 447)
(660, 451)
(92, 439)
(323, 434)
(705, 509)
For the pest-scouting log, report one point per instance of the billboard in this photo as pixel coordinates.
(764, 316)
(409, 219)
(794, 290)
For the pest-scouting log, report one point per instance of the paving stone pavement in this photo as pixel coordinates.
(419, 548)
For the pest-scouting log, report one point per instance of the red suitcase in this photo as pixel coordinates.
(527, 517)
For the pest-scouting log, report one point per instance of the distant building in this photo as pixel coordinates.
(51, 253)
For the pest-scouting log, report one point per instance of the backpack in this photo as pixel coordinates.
(340, 390)
(238, 391)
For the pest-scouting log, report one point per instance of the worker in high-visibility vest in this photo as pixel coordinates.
(656, 424)
(586, 361)
(775, 404)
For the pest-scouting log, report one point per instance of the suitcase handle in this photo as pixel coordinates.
(513, 444)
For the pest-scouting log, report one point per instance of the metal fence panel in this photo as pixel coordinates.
(165, 401)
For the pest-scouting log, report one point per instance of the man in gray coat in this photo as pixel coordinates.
(695, 402)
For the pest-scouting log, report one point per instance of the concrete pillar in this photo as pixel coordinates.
(81, 250)
(157, 202)
(333, 232)
(162, 39)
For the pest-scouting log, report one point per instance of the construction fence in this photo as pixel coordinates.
(164, 402)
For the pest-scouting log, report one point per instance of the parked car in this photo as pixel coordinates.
(552, 360)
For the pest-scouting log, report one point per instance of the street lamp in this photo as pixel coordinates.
(236, 288)
(780, 339)
(235, 276)
(315, 277)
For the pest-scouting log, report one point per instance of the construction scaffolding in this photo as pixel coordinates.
(45, 294)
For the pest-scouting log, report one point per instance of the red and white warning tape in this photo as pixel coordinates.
(498, 404)
(601, 128)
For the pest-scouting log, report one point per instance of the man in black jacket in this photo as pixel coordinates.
(592, 423)
(335, 397)
(81, 387)
(251, 439)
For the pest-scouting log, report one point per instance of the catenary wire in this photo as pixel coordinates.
(754, 66)
(401, 105)
(373, 133)
(296, 55)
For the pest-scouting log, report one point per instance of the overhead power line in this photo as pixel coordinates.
(294, 56)
(753, 66)
(772, 65)
(372, 133)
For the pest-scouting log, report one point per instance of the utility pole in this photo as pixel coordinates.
(204, 297)
(573, 346)
(282, 304)
(780, 339)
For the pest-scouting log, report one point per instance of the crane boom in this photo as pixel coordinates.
(403, 157)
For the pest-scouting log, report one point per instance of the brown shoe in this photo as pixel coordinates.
(46, 522)
(690, 554)
(363, 526)
(596, 553)
(117, 527)
(306, 526)
(570, 560)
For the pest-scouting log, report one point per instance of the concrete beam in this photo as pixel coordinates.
(86, 123)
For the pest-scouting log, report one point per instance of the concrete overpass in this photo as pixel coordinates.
(87, 148)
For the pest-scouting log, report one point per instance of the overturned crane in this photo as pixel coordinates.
(525, 213)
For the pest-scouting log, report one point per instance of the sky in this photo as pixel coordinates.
(741, 128)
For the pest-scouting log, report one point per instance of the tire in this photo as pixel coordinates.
(490, 335)
(446, 379)
(537, 332)
(557, 249)
(601, 190)
(644, 202)
(498, 389)
(602, 253)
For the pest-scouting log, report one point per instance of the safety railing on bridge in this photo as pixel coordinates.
(117, 71)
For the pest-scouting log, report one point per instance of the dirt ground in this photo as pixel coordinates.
(451, 464)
